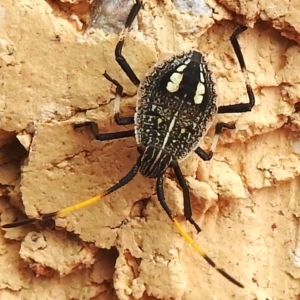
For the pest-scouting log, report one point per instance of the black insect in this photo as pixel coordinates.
(176, 104)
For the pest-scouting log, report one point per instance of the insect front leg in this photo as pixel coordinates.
(239, 107)
(119, 89)
(118, 50)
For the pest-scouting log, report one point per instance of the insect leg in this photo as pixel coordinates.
(219, 128)
(161, 196)
(43, 217)
(118, 50)
(203, 154)
(186, 196)
(118, 119)
(119, 92)
(119, 89)
(105, 136)
(208, 155)
(184, 234)
(239, 107)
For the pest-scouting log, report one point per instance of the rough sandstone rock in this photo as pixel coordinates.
(246, 199)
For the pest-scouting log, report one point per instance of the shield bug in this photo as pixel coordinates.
(176, 104)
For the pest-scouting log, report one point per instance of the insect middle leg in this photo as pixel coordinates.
(208, 155)
(119, 93)
(105, 136)
(120, 120)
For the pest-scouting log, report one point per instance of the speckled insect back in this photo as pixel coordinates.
(176, 104)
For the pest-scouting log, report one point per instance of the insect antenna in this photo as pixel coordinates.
(43, 217)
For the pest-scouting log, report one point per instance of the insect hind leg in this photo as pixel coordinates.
(52, 215)
(186, 196)
(187, 238)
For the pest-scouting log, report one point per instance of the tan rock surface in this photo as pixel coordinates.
(246, 199)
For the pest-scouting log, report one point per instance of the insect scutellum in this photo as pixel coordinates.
(176, 104)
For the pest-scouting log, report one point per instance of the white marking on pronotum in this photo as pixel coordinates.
(173, 84)
(169, 130)
(199, 93)
(201, 77)
(181, 68)
(187, 61)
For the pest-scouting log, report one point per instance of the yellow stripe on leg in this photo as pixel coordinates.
(57, 213)
(71, 208)
(198, 249)
(123, 181)
(188, 238)
(79, 205)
